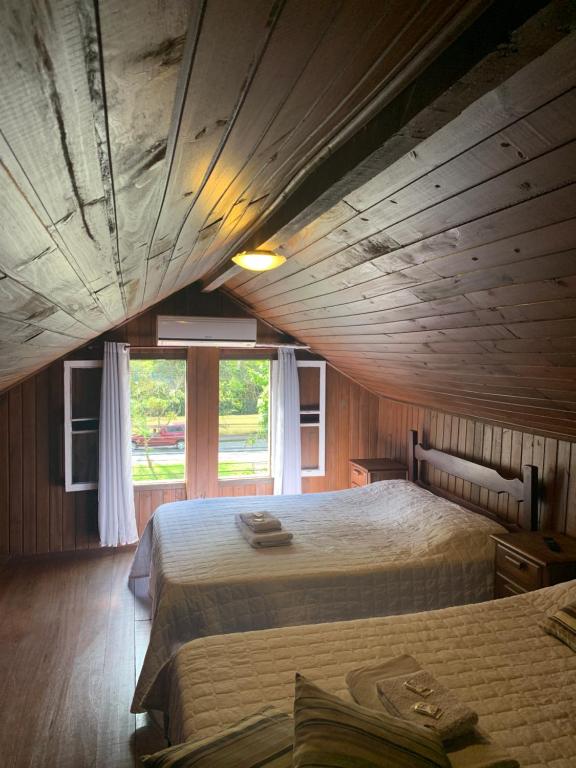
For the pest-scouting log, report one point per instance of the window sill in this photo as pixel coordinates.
(152, 485)
(244, 480)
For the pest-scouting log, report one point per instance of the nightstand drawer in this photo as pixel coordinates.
(517, 568)
(505, 588)
(358, 476)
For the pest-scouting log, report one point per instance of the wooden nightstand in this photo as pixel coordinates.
(366, 471)
(524, 562)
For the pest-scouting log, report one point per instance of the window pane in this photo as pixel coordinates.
(243, 440)
(158, 409)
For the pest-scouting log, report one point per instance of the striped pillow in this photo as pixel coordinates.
(263, 739)
(562, 625)
(331, 733)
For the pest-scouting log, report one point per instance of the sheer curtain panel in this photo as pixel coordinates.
(286, 461)
(116, 513)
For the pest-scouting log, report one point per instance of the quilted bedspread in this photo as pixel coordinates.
(387, 548)
(494, 656)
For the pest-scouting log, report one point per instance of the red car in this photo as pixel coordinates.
(170, 436)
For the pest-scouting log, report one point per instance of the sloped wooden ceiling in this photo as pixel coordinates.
(449, 279)
(431, 253)
(141, 139)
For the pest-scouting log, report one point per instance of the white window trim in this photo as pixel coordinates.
(320, 471)
(68, 366)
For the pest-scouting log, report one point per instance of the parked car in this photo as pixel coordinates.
(169, 436)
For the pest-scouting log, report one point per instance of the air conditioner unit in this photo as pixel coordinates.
(185, 331)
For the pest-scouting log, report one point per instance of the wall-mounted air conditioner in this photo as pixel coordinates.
(182, 331)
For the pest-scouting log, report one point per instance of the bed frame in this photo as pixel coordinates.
(524, 490)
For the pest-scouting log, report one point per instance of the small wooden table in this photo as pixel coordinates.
(524, 562)
(366, 471)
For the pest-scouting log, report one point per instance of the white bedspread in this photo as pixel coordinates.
(384, 549)
(494, 656)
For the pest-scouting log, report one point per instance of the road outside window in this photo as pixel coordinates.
(158, 410)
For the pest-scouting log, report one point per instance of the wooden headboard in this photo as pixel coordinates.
(523, 489)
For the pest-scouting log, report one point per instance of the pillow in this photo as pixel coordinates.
(263, 739)
(562, 625)
(331, 733)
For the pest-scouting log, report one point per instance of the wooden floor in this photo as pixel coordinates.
(72, 636)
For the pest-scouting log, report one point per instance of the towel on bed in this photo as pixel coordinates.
(260, 521)
(471, 750)
(456, 719)
(263, 540)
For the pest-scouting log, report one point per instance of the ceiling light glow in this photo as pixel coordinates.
(258, 261)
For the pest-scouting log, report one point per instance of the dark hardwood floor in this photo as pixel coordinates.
(72, 636)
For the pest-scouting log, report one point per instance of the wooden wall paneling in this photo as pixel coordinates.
(505, 462)
(42, 460)
(515, 469)
(54, 439)
(16, 470)
(561, 486)
(460, 451)
(29, 452)
(538, 461)
(5, 473)
(550, 501)
(571, 499)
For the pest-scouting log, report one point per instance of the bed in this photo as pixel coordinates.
(388, 548)
(493, 655)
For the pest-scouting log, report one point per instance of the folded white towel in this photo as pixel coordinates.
(261, 521)
(263, 540)
(456, 719)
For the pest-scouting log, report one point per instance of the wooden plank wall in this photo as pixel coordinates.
(504, 449)
(36, 515)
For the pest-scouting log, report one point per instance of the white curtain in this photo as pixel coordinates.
(116, 513)
(285, 399)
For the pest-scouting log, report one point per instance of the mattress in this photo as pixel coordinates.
(388, 548)
(494, 656)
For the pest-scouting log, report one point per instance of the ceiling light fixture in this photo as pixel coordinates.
(258, 261)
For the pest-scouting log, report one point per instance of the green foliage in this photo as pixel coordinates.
(244, 389)
(158, 392)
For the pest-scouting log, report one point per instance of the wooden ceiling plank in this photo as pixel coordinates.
(142, 45)
(535, 406)
(528, 138)
(462, 213)
(30, 256)
(51, 116)
(423, 100)
(450, 324)
(224, 55)
(388, 292)
(330, 75)
(414, 36)
(541, 81)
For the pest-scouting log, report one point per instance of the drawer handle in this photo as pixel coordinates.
(516, 563)
(511, 590)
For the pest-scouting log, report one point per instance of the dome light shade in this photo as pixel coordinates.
(258, 261)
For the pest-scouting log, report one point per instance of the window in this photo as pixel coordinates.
(82, 381)
(158, 410)
(312, 379)
(244, 435)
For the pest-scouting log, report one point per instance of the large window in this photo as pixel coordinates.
(158, 410)
(244, 435)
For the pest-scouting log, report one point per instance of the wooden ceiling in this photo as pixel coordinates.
(449, 279)
(141, 139)
(414, 161)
